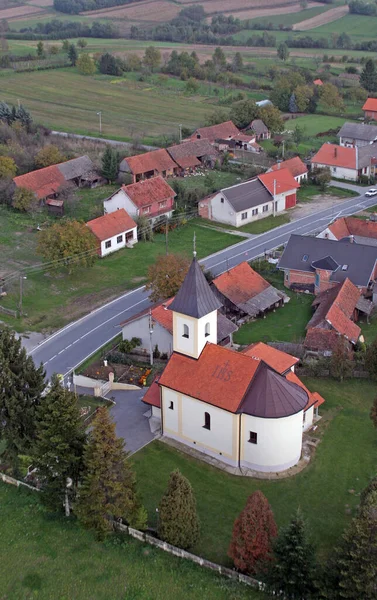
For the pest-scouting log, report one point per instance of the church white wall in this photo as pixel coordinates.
(194, 344)
(308, 417)
(278, 444)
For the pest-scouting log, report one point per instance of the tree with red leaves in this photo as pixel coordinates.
(253, 533)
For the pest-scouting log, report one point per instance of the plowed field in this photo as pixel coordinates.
(327, 17)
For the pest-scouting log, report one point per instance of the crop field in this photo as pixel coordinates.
(157, 11)
(358, 27)
(19, 11)
(331, 15)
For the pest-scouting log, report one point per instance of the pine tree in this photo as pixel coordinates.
(108, 490)
(5, 113)
(59, 447)
(110, 164)
(178, 522)
(293, 104)
(21, 386)
(73, 54)
(341, 363)
(40, 50)
(368, 76)
(24, 117)
(253, 533)
(293, 568)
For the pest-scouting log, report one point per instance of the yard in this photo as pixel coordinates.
(45, 557)
(327, 490)
(306, 193)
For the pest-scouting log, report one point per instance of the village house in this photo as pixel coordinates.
(246, 411)
(149, 164)
(265, 195)
(215, 132)
(336, 311)
(370, 109)
(357, 134)
(260, 130)
(153, 198)
(315, 264)
(113, 231)
(352, 229)
(161, 320)
(346, 162)
(318, 82)
(244, 294)
(295, 166)
(192, 154)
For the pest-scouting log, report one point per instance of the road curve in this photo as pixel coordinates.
(64, 350)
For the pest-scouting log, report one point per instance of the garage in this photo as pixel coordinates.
(290, 201)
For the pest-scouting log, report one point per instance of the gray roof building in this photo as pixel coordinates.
(258, 127)
(246, 195)
(77, 167)
(195, 298)
(347, 259)
(358, 131)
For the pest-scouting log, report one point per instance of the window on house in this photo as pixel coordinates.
(253, 438)
(186, 333)
(334, 169)
(171, 405)
(207, 421)
(146, 210)
(305, 258)
(344, 267)
(254, 212)
(207, 329)
(317, 279)
(108, 244)
(265, 208)
(244, 216)
(162, 204)
(286, 276)
(119, 239)
(129, 236)
(304, 418)
(222, 200)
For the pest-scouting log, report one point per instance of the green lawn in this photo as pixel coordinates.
(222, 179)
(89, 202)
(369, 330)
(358, 27)
(286, 324)
(266, 224)
(314, 124)
(344, 460)
(307, 192)
(47, 557)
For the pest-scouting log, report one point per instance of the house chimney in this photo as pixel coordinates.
(352, 239)
(335, 151)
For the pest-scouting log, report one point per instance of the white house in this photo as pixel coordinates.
(263, 196)
(357, 134)
(346, 162)
(248, 410)
(113, 232)
(295, 166)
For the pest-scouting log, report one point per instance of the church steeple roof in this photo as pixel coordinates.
(195, 297)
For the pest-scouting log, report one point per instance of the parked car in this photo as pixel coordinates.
(371, 192)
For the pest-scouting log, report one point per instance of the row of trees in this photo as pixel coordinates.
(74, 7)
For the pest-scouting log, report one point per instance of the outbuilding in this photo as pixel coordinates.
(113, 232)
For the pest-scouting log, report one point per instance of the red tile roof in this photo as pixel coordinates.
(149, 191)
(314, 398)
(321, 340)
(294, 165)
(370, 104)
(240, 283)
(337, 156)
(347, 226)
(153, 396)
(215, 132)
(318, 82)
(274, 358)
(284, 181)
(111, 224)
(157, 160)
(43, 182)
(163, 316)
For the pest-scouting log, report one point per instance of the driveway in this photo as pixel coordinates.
(128, 414)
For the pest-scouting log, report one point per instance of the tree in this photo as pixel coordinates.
(341, 360)
(298, 134)
(303, 95)
(152, 58)
(24, 117)
(166, 276)
(144, 228)
(21, 386)
(292, 104)
(244, 112)
(110, 164)
(133, 62)
(237, 62)
(86, 65)
(253, 533)
(40, 50)
(73, 54)
(24, 200)
(65, 46)
(59, 446)
(82, 43)
(48, 155)
(108, 490)
(178, 522)
(191, 86)
(331, 97)
(373, 413)
(70, 244)
(110, 65)
(292, 571)
(272, 118)
(219, 59)
(283, 51)
(8, 168)
(321, 177)
(220, 116)
(368, 76)
(371, 360)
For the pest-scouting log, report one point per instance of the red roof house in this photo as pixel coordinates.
(149, 164)
(318, 82)
(45, 182)
(151, 197)
(357, 230)
(370, 108)
(221, 131)
(113, 231)
(281, 183)
(295, 166)
(276, 359)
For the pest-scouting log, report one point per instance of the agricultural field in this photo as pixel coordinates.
(334, 14)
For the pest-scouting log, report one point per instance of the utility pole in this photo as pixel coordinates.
(166, 235)
(273, 204)
(22, 277)
(150, 338)
(100, 121)
(283, 148)
(180, 133)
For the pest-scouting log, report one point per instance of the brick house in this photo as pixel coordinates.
(315, 264)
(370, 109)
(149, 164)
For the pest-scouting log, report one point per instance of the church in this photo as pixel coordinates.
(247, 409)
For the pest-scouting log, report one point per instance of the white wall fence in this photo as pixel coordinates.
(16, 482)
(102, 388)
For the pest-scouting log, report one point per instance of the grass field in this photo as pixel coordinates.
(344, 461)
(307, 192)
(358, 27)
(314, 124)
(46, 557)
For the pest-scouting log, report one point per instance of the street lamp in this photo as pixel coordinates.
(100, 121)
(22, 277)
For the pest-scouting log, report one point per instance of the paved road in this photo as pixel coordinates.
(103, 140)
(67, 348)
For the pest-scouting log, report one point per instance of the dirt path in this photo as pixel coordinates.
(327, 17)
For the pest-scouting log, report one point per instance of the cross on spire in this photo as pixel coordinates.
(194, 252)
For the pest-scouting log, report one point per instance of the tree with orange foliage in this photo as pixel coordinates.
(254, 531)
(166, 276)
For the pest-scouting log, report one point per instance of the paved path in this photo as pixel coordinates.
(359, 189)
(67, 348)
(128, 413)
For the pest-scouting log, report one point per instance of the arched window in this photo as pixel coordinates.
(207, 329)
(186, 333)
(207, 421)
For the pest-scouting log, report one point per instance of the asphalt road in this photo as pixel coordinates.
(68, 347)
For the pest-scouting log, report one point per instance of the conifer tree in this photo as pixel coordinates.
(293, 104)
(59, 447)
(24, 117)
(110, 164)
(368, 76)
(253, 533)
(293, 568)
(73, 54)
(178, 522)
(21, 385)
(108, 490)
